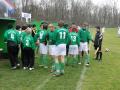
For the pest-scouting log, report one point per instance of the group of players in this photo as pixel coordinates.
(57, 42)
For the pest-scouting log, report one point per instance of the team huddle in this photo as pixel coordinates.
(57, 42)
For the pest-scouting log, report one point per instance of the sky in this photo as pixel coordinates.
(103, 2)
(100, 2)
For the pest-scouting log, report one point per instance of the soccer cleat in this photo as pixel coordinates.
(18, 65)
(45, 67)
(31, 69)
(41, 65)
(13, 68)
(25, 68)
(79, 63)
(87, 64)
(56, 75)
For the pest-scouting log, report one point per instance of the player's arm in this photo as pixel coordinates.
(46, 38)
(90, 37)
(36, 40)
(18, 37)
(5, 36)
(33, 43)
(67, 38)
(78, 40)
(36, 37)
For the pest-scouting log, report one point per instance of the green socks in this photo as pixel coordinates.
(87, 58)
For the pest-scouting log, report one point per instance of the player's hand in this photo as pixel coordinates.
(45, 43)
(93, 41)
(37, 43)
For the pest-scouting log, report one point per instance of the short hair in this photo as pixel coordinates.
(98, 27)
(18, 27)
(10, 26)
(45, 26)
(24, 27)
(33, 25)
(61, 23)
(29, 25)
(50, 25)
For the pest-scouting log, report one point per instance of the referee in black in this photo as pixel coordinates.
(98, 44)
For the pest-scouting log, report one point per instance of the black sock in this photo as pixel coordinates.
(97, 55)
(100, 55)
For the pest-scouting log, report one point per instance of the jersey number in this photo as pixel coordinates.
(41, 35)
(62, 35)
(12, 36)
(73, 38)
(27, 42)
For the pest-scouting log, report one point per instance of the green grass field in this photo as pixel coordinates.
(99, 76)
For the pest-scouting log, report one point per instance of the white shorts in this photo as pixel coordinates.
(83, 46)
(61, 50)
(43, 48)
(73, 50)
(52, 49)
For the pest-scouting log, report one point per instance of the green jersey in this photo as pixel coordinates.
(73, 39)
(61, 36)
(12, 35)
(22, 35)
(28, 41)
(51, 37)
(84, 35)
(41, 36)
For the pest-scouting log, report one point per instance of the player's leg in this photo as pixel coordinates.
(43, 55)
(10, 54)
(52, 53)
(22, 55)
(62, 64)
(32, 57)
(57, 67)
(15, 51)
(80, 52)
(100, 53)
(45, 59)
(62, 57)
(75, 53)
(26, 58)
(87, 56)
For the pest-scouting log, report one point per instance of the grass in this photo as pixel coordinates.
(99, 76)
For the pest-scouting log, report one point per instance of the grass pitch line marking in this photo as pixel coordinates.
(44, 83)
(82, 76)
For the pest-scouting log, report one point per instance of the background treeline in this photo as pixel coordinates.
(77, 11)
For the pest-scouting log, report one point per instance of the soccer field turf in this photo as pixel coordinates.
(99, 76)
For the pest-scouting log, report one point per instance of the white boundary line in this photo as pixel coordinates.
(43, 83)
(82, 76)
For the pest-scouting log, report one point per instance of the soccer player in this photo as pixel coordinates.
(41, 38)
(22, 35)
(73, 41)
(84, 36)
(52, 46)
(18, 28)
(11, 36)
(33, 30)
(61, 37)
(98, 44)
(28, 50)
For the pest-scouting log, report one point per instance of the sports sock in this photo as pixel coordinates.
(62, 66)
(45, 60)
(100, 56)
(87, 58)
(97, 55)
